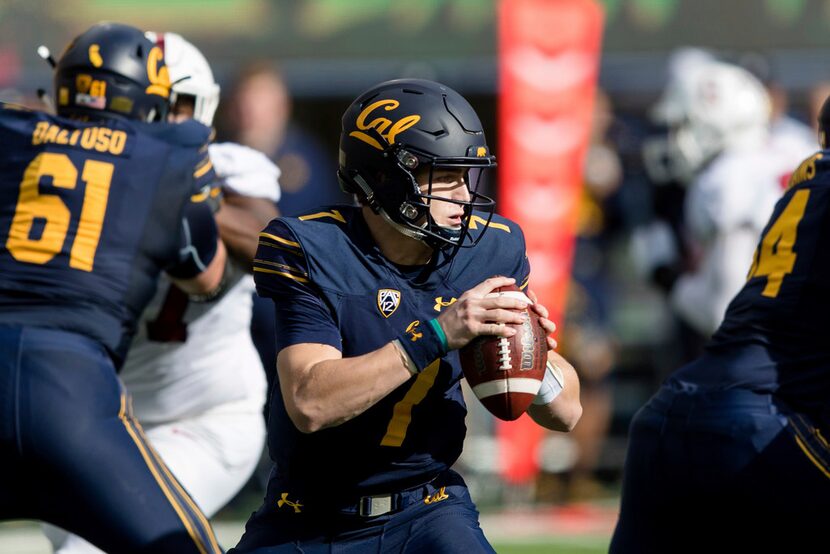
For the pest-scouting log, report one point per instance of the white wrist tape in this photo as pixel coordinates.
(407, 361)
(552, 385)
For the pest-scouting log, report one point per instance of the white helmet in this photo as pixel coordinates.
(710, 108)
(190, 74)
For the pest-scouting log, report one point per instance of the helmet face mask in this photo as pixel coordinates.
(395, 137)
(711, 108)
(112, 70)
(190, 74)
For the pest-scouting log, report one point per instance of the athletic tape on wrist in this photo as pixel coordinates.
(407, 361)
(552, 384)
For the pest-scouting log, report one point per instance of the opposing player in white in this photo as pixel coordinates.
(720, 139)
(196, 380)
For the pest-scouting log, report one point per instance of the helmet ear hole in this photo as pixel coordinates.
(410, 212)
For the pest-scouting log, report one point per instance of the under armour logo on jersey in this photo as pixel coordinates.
(414, 333)
(436, 497)
(439, 303)
(285, 502)
(388, 301)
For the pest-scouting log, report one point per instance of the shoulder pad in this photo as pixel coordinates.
(189, 133)
(498, 228)
(815, 168)
(331, 215)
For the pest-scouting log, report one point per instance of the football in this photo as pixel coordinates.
(506, 373)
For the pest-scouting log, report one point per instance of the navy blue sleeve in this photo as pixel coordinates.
(208, 185)
(197, 246)
(281, 273)
(522, 272)
(510, 238)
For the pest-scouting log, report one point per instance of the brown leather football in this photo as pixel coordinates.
(506, 373)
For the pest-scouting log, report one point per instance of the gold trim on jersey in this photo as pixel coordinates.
(205, 526)
(128, 422)
(204, 168)
(476, 219)
(279, 239)
(818, 459)
(278, 247)
(334, 214)
(288, 268)
(281, 274)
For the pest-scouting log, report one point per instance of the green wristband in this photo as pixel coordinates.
(440, 332)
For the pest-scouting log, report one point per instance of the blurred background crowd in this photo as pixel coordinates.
(288, 69)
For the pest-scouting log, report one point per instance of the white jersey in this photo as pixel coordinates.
(218, 362)
(726, 208)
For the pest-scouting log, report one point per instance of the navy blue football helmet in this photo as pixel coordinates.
(112, 70)
(407, 126)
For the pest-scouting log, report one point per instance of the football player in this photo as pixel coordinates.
(95, 203)
(371, 304)
(720, 143)
(195, 378)
(731, 453)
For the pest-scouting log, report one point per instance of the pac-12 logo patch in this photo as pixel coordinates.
(388, 301)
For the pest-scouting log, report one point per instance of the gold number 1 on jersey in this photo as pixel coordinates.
(31, 205)
(402, 412)
(774, 258)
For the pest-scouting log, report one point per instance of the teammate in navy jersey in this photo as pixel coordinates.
(94, 204)
(371, 304)
(732, 451)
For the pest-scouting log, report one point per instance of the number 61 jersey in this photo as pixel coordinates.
(90, 213)
(774, 337)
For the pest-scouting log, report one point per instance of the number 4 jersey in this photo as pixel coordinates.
(90, 213)
(774, 337)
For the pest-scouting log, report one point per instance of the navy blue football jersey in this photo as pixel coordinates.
(774, 335)
(331, 285)
(90, 213)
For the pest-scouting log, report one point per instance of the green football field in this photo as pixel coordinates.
(25, 538)
(575, 529)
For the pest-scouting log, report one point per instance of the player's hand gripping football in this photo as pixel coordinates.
(548, 325)
(474, 314)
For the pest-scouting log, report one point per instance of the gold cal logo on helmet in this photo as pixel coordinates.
(382, 124)
(95, 55)
(157, 74)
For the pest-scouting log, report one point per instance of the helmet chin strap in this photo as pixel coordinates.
(451, 236)
(403, 229)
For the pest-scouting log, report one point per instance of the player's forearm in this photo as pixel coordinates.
(563, 413)
(240, 220)
(209, 280)
(330, 392)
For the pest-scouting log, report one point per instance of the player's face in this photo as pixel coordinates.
(452, 185)
(182, 110)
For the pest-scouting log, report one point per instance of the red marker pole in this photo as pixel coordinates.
(548, 68)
